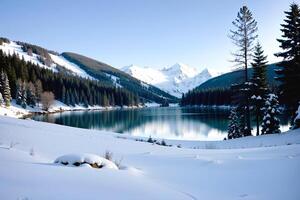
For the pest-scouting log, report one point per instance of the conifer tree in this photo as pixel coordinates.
(271, 110)
(289, 74)
(31, 96)
(5, 88)
(258, 88)
(38, 90)
(1, 99)
(19, 92)
(243, 36)
(233, 127)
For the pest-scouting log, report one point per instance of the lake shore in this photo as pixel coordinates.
(196, 170)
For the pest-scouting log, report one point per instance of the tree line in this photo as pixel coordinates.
(207, 97)
(254, 98)
(27, 82)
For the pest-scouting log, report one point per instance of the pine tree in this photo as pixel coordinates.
(5, 89)
(1, 99)
(271, 110)
(23, 95)
(31, 96)
(258, 88)
(19, 92)
(243, 37)
(289, 75)
(233, 127)
(38, 90)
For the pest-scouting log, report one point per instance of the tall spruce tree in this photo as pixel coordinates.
(5, 88)
(19, 92)
(289, 74)
(31, 96)
(271, 110)
(243, 36)
(259, 88)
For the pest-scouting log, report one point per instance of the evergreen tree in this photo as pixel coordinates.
(271, 110)
(19, 92)
(243, 36)
(24, 95)
(289, 75)
(5, 89)
(38, 90)
(31, 96)
(233, 127)
(258, 88)
(1, 99)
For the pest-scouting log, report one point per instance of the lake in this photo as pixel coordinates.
(167, 122)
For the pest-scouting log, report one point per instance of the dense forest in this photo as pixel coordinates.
(207, 97)
(69, 89)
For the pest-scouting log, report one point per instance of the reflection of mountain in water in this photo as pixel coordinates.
(169, 123)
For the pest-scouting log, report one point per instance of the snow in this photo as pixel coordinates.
(263, 167)
(115, 80)
(17, 111)
(71, 159)
(13, 48)
(60, 60)
(177, 79)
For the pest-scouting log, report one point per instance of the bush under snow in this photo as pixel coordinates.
(90, 159)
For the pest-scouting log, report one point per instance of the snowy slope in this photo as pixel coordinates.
(28, 150)
(13, 48)
(60, 60)
(175, 80)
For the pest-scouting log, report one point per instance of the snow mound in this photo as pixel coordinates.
(83, 159)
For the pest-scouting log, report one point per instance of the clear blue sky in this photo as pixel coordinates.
(155, 33)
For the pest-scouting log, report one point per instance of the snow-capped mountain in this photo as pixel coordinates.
(175, 80)
(74, 64)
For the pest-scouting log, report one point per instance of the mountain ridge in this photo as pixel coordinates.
(176, 79)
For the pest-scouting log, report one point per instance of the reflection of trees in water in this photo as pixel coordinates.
(129, 119)
(114, 120)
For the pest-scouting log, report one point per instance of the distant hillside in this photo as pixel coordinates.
(77, 65)
(106, 73)
(224, 81)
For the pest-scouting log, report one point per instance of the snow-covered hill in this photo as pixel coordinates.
(58, 62)
(175, 80)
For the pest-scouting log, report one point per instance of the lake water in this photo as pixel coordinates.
(167, 123)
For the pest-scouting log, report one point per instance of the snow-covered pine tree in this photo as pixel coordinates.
(1, 99)
(258, 88)
(5, 89)
(297, 119)
(23, 95)
(31, 96)
(271, 110)
(19, 92)
(233, 127)
(289, 74)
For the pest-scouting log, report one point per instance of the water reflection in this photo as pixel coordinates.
(169, 123)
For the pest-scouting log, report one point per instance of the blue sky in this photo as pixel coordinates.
(154, 33)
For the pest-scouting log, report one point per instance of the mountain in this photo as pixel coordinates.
(226, 80)
(175, 80)
(85, 67)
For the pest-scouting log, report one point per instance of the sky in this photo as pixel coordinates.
(155, 33)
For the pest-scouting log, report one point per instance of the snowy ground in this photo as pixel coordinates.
(17, 111)
(263, 168)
